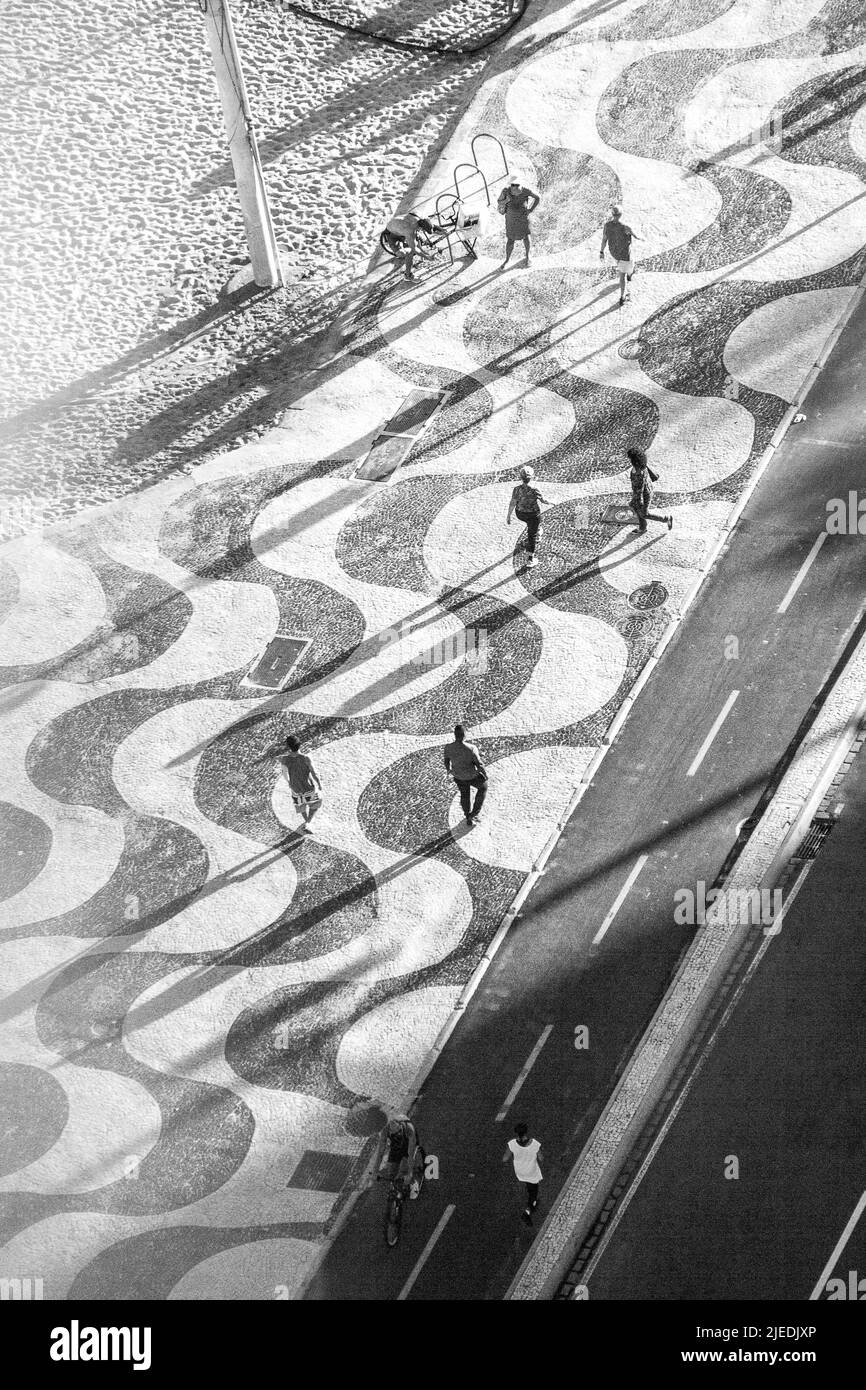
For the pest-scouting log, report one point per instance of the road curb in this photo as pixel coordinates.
(773, 841)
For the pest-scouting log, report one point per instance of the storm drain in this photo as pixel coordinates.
(396, 440)
(272, 669)
(815, 837)
(320, 1171)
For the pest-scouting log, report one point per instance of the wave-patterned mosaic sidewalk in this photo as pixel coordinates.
(202, 1011)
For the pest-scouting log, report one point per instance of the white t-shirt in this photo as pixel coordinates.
(525, 1156)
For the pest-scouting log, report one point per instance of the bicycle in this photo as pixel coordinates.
(399, 1187)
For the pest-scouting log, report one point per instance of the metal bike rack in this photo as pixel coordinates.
(484, 135)
(475, 169)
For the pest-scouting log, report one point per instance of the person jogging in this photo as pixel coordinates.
(526, 1153)
(618, 238)
(642, 478)
(526, 503)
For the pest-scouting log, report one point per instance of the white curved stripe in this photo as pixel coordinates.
(526, 422)
(60, 1247)
(113, 1124)
(777, 345)
(857, 133)
(555, 99)
(736, 103)
(60, 603)
(381, 1053)
(582, 659)
(249, 885)
(424, 904)
(672, 558)
(747, 23)
(827, 222)
(297, 535)
(86, 844)
(528, 793)
(230, 623)
(261, 1270)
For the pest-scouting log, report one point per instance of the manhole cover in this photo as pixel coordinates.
(617, 514)
(651, 595)
(631, 350)
(634, 627)
(272, 669)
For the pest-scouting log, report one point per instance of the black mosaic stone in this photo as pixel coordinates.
(34, 1111)
(840, 25)
(144, 617)
(754, 212)
(161, 870)
(208, 532)
(662, 19)
(289, 1040)
(205, 1130)
(816, 118)
(25, 844)
(148, 1266)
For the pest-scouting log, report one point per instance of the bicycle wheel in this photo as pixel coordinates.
(393, 1219)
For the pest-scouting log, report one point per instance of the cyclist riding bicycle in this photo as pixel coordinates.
(405, 1155)
(400, 236)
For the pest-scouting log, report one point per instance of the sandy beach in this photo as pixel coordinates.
(121, 221)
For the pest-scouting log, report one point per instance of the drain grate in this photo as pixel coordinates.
(815, 837)
(272, 669)
(396, 440)
(320, 1171)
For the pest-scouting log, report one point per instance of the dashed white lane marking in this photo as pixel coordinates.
(801, 573)
(840, 1246)
(425, 1253)
(705, 746)
(620, 899)
(525, 1070)
(827, 443)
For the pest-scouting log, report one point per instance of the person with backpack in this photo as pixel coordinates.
(618, 237)
(526, 504)
(642, 478)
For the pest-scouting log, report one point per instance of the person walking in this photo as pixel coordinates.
(526, 504)
(463, 763)
(303, 780)
(642, 478)
(618, 237)
(526, 1153)
(514, 204)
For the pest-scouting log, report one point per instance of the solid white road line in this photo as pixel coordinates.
(801, 573)
(840, 1246)
(708, 1047)
(425, 1253)
(705, 746)
(620, 899)
(526, 1069)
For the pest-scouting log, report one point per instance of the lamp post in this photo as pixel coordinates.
(261, 238)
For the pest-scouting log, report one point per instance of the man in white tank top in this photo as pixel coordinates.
(526, 1153)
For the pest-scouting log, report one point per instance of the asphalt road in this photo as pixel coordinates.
(784, 1090)
(552, 972)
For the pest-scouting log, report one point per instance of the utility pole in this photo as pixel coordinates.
(261, 238)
